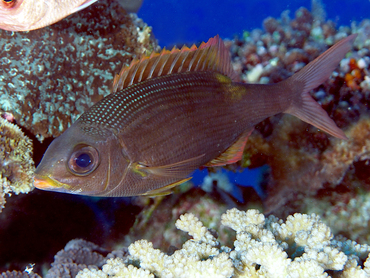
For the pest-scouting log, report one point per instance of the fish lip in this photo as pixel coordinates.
(48, 183)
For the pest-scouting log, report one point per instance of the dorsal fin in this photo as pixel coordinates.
(210, 56)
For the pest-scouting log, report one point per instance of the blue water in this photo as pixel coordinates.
(192, 21)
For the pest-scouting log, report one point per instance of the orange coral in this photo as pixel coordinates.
(355, 77)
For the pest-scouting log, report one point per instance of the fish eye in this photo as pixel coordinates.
(9, 3)
(83, 160)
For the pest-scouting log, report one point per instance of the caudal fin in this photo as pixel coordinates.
(315, 73)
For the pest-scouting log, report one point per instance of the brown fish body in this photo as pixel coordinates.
(201, 123)
(169, 116)
(174, 115)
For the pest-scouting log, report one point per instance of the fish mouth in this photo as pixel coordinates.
(47, 183)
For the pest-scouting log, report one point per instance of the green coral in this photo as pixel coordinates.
(16, 164)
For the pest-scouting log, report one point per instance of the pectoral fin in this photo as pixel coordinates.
(176, 170)
(166, 190)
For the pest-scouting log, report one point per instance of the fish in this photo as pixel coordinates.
(26, 15)
(172, 112)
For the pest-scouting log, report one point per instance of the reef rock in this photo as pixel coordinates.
(16, 164)
(52, 75)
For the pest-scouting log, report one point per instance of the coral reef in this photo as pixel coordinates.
(302, 246)
(50, 76)
(19, 274)
(311, 163)
(345, 201)
(159, 215)
(16, 164)
(348, 215)
(310, 172)
(77, 255)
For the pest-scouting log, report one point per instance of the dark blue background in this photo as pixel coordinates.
(192, 21)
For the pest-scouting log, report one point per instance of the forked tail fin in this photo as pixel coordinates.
(302, 105)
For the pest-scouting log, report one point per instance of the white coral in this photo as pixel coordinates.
(301, 247)
(89, 273)
(115, 268)
(240, 220)
(306, 269)
(272, 260)
(181, 263)
(329, 258)
(191, 224)
(304, 230)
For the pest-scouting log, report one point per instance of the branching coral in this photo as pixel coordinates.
(115, 268)
(16, 164)
(302, 246)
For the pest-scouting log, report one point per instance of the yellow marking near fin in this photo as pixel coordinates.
(166, 190)
(223, 78)
(236, 93)
(138, 169)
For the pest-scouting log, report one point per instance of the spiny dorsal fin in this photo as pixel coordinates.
(210, 56)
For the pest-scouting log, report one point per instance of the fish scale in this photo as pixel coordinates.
(171, 113)
(164, 104)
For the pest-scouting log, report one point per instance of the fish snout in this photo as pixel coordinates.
(47, 183)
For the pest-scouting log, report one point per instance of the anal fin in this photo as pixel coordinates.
(233, 153)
